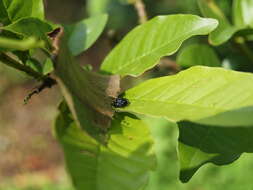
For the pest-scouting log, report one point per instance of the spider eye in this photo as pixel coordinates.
(120, 102)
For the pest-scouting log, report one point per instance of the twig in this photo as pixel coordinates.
(47, 82)
(9, 61)
(21, 45)
(140, 7)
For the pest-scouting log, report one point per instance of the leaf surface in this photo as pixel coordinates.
(84, 33)
(193, 94)
(88, 94)
(225, 29)
(142, 48)
(124, 163)
(17, 9)
(198, 54)
(28, 27)
(213, 108)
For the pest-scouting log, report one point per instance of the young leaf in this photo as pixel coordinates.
(28, 27)
(88, 94)
(243, 13)
(124, 163)
(192, 94)
(3, 13)
(142, 48)
(18, 9)
(47, 67)
(96, 7)
(198, 54)
(225, 30)
(83, 34)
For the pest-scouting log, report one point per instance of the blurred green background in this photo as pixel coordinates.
(30, 157)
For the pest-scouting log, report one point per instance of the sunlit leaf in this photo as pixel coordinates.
(225, 29)
(17, 9)
(30, 27)
(142, 48)
(192, 94)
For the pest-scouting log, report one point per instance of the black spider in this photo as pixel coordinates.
(120, 102)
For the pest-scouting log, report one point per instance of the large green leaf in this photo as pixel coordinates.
(225, 30)
(28, 27)
(142, 48)
(192, 94)
(88, 94)
(18, 9)
(243, 13)
(218, 105)
(84, 33)
(198, 54)
(124, 163)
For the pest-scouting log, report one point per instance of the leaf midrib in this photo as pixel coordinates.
(178, 103)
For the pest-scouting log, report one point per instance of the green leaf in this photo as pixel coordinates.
(192, 94)
(47, 67)
(224, 30)
(89, 95)
(124, 163)
(198, 54)
(18, 9)
(142, 48)
(28, 27)
(84, 33)
(200, 144)
(213, 100)
(243, 13)
(96, 7)
(38, 9)
(3, 13)
(34, 64)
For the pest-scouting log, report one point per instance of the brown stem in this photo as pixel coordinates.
(140, 7)
(47, 82)
(9, 61)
